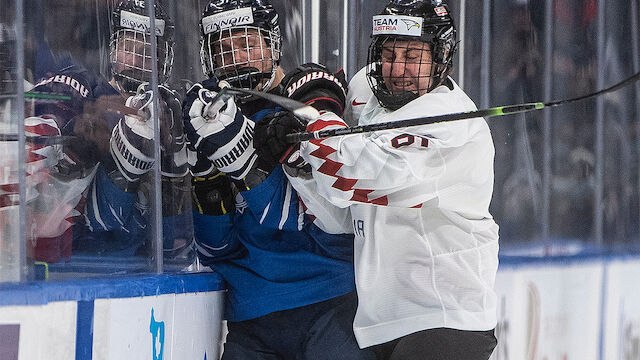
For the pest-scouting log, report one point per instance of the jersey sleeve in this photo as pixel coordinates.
(219, 245)
(110, 208)
(275, 203)
(398, 167)
(322, 213)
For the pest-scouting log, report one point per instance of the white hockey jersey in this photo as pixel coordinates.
(357, 97)
(426, 246)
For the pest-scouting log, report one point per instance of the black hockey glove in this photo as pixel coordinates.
(270, 142)
(314, 85)
(173, 146)
(213, 194)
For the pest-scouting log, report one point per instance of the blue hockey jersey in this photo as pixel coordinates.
(79, 203)
(270, 254)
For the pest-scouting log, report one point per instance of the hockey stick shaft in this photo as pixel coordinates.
(298, 109)
(491, 112)
(28, 96)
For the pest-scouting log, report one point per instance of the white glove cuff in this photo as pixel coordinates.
(237, 157)
(131, 162)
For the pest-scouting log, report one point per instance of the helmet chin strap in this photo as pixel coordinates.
(248, 76)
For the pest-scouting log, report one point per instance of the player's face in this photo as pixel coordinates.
(132, 55)
(242, 48)
(406, 66)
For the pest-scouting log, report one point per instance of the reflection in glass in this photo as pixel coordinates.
(91, 143)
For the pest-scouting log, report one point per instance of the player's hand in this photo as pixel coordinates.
(271, 144)
(314, 85)
(173, 150)
(213, 194)
(218, 130)
(131, 143)
(96, 122)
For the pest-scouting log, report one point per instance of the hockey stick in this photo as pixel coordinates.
(28, 96)
(298, 109)
(491, 112)
(40, 140)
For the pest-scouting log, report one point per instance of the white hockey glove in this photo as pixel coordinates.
(219, 130)
(131, 143)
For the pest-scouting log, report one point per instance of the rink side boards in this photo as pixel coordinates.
(563, 307)
(568, 307)
(144, 317)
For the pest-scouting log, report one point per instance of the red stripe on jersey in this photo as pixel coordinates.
(361, 195)
(383, 200)
(419, 206)
(8, 200)
(322, 151)
(10, 188)
(344, 184)
(42, 129)
(311, 218)
(32, 156)
(330, 167)
(321, 124)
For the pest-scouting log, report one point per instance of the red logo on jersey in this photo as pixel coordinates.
(441, 11)
(355, 103)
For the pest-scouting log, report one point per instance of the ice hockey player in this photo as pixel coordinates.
(94, 193)
(130, 142)
(290, 284)
(426, 245)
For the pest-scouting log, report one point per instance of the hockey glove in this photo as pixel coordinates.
(173, 149)
(314, 85)
(213, 194)
(270, 142)
(219, 130)
(131, 143)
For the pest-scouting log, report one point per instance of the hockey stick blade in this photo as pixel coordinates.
(491, 112)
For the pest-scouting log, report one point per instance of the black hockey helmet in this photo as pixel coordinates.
(225, 20)
(130, 46)
(427, 21)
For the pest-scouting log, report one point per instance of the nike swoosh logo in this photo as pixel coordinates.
(355, 103)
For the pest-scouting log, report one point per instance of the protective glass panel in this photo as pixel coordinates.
(516, 76)
(96, 205)
(10, 261)
(565, 177)
(331, 31)
(583, 192)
